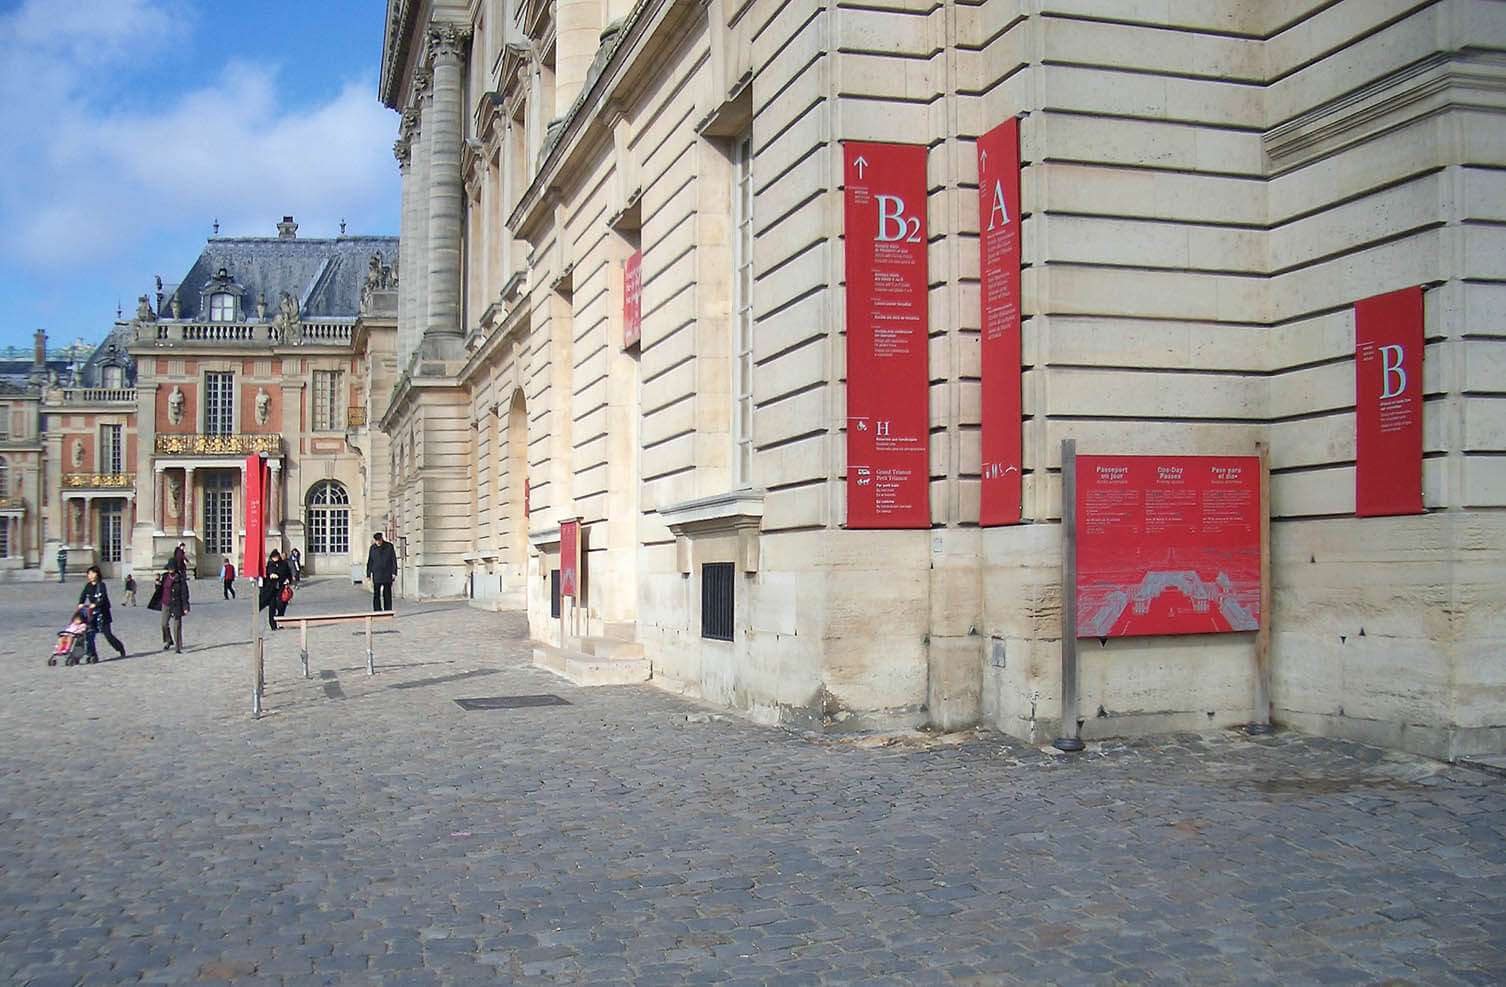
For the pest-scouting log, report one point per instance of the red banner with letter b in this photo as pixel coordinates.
(1388, 404)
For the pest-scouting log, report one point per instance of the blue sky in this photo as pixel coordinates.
(132, 125)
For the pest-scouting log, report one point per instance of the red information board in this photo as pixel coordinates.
(570, 559)
(888, 467)
(1388, 404)
(1167, 545)
(632, 300)
(252, 565)
(999, 271)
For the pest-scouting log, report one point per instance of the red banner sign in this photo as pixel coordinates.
(252, 565)
(632, 300)
(570, 559)
(999, 271)
(1388, 404)
(1167, 545)
(888, 418)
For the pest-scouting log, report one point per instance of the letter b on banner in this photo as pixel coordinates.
(893, 224)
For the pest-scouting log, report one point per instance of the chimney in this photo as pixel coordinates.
(39, 352)
(287, 229)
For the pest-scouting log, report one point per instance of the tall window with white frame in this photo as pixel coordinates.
(111, 449)
(329, 402)
(110, 531)
(219, 404)
(219, 511)
(328, 519)
(742, 309)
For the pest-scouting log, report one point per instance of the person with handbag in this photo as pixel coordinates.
(171, 597)
(276, 588)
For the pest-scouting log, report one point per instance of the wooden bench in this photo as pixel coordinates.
(335, 618)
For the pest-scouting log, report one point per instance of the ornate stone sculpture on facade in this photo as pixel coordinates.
(378, 278)
(175, 406)
(174, 492)
(144, 311)
(177, 306)
(286, 324)
(263, 406)
(78, 453)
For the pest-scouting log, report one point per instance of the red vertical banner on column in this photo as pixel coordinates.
(256, 519)
(1388, 404)
(632, 300)
(888, 418)
(570, 559)
(999, 271)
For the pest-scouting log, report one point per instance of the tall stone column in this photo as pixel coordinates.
(274, 498)
(159, 502)
(188, 498)
(443, 335)
(402, 149)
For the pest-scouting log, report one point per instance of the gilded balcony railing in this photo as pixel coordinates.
(99, 481)
(16, 503)
(217, 445)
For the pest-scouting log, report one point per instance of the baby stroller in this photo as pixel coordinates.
(71, 638)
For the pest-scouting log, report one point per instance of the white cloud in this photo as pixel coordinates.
(97, 166)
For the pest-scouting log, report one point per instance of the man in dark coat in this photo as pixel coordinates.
(381, 569)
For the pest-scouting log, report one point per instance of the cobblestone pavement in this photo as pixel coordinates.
(370, 830)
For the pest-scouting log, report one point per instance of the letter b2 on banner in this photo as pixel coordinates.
(888, 461)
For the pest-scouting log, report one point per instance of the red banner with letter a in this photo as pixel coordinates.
(253, 564)
(888, 416)
(570, 559)
(999, 272)
(1388, 404)
(632, 300)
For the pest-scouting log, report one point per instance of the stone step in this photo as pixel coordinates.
(586, 669)
(605, 647)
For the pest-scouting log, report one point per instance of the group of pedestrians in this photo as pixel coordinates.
(170, 592)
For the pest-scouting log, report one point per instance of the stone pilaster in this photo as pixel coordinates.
(443, 337)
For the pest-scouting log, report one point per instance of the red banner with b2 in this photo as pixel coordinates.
(888, 416)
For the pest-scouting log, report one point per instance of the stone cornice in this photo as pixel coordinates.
(646, 31)
(1445, 81)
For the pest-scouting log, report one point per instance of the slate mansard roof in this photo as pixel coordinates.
(324, 275)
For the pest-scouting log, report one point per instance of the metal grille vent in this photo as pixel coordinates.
(716, 600)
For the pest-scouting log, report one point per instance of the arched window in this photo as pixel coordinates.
(328, 519)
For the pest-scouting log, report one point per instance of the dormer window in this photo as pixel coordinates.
(220, 297)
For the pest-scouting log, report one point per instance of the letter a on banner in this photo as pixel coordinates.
(999, 272)
(1388, 404)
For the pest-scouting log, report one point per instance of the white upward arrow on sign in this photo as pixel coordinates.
(861, 163)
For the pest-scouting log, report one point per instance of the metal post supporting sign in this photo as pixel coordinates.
(1071, 729)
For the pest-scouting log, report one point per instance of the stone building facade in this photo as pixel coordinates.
(254, 352)
(1207, 189)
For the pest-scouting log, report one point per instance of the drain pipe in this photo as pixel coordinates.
(1071, 726)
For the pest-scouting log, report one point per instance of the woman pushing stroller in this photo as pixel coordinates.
(96, 596)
